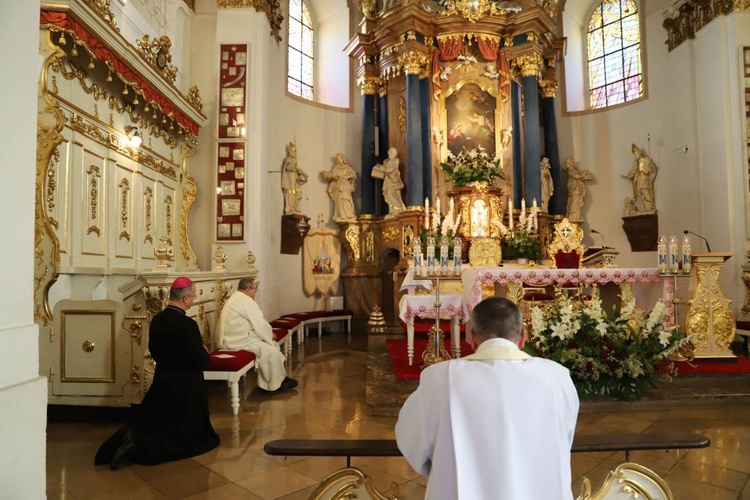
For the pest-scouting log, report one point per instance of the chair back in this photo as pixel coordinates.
(566, 248)
(628, 481)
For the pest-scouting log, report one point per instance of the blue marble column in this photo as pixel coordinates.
(532, 141)
(557, 203)
(515, 100)
(415, 158)
(368, 148)
(383, 144)
(424, 94)
(383, 128)
(414, 177)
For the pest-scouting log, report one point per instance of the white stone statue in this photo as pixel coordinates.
(548, 187)
(577, 179)
(392, 183)
(292, 177)
(642, 175)
(341, 179)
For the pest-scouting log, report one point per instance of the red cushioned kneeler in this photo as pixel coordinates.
(280, 333)
(222, 364)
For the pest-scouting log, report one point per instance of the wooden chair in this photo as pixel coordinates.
(348, 483)
(567, 248)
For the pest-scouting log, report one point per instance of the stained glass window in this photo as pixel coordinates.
(300, 50)
(614, 54)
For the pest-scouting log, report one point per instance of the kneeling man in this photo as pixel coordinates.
(243, 327)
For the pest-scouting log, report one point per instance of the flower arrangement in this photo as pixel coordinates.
(521, 241)
(446, 229)
(473, 165)
(614, 357)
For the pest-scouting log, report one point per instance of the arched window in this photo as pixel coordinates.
(614, 54)
(300, 51)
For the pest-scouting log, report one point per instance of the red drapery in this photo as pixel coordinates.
(448, 50)
(101, 52)
(489, 48)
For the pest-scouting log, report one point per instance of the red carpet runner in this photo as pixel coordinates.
(402, 370)
(400, 359)
(704, 366)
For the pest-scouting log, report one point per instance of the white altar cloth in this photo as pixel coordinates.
(452, 306)
(474, 278)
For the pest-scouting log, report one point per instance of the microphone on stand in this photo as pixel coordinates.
(602, 236)
(708, 247)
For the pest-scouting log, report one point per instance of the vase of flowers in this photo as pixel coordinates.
(472, 167)
(522, 245)
(520, 242)
(617, 356)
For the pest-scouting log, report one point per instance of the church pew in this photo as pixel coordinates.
(387, 447)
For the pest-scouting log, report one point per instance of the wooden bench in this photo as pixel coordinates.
(387, 447)
(230, 366)
(292, 325)
(319, 317)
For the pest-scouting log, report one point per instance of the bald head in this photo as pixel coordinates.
(496, 318)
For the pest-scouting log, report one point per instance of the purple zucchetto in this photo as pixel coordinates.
(182, 282)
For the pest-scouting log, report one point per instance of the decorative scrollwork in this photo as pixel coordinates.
(352, 236)
(271, 8)
(101, 7)
(194, 98)
(156, 53)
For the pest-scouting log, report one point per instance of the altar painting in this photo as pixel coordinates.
(471, 119)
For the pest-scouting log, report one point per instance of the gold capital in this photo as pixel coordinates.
(549, 88)
(369, 85)
(368, 7)
(529, 64)
(414, 63)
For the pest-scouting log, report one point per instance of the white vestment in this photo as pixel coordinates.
(494, 425)
(242, 326)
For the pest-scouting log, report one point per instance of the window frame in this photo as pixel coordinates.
(299, 50)
(640, 44)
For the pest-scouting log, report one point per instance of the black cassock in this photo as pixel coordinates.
(172, 422)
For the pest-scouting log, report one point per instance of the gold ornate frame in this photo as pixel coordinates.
(488, 86)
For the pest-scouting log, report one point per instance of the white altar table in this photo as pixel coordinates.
(452, 306)
(474, 278)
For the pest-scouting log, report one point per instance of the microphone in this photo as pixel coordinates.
(708, 247)
(602, 236)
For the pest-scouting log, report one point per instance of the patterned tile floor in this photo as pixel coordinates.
(330, 403)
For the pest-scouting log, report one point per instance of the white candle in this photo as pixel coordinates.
(533, 204)
(427, 213)
(522, 217)
(510, 214)
(534, 212)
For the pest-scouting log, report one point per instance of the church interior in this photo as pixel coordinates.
(347, 155)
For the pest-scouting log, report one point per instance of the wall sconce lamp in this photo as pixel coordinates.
(134, 136)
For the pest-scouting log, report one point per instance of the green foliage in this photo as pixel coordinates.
(470, 166)
(617, 357)
(519, 244)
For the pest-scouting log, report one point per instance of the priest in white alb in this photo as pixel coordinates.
(497, 424)
(243, 327)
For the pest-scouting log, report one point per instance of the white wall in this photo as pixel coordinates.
(332, 68)
(274, 119)
(693, 100)
(23, 393)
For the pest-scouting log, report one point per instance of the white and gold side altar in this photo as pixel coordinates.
(114, 193)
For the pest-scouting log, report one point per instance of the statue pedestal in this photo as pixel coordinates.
(709, 308)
